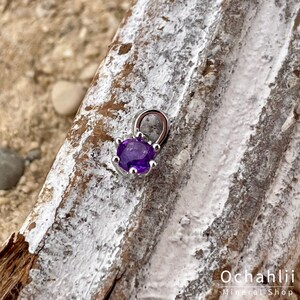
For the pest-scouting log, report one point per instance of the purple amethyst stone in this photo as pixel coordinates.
(137, 153)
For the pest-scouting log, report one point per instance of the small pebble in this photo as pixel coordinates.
(77, 6)
(66, 97)
(33, 168)
(89, 72)
(33, 154)
(3, 193)
(4, 200)
(45, 28)
(30, 73)
(91, 50)
(11, 168)
(83, 33)
(22, 181)
(4, 144)
(40, 11)
(33, 145)
(68, 53)
(26, 189)
(44, 148)
(47, 68)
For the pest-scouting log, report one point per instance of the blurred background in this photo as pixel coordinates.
(50, 50)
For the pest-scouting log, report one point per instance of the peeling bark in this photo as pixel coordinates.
(15, 264)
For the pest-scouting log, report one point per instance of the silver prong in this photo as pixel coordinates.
(118, 141)
(153, 164)
(139, 134)
(115, 159)
(133, 171)
(156, 147)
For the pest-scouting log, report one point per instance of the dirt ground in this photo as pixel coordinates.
(41, 43)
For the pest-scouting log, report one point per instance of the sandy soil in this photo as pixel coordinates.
(41, 43)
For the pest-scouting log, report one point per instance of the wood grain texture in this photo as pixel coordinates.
(225, 195)
(15, 264)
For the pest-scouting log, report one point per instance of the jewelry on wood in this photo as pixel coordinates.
(135, 155)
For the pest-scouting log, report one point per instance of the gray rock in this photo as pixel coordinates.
(33, 154)
(11, 168)
(66, 97)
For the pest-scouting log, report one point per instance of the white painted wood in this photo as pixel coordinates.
(263, 50)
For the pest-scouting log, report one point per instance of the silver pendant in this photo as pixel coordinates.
(135, 155)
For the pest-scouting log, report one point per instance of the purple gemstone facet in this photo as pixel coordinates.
(137, 153)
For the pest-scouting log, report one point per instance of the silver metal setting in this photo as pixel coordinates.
(137, 133)
(133, 171)
(153, 164)
(118, 141)
(156, 147)
(163, 118)
(115, 160)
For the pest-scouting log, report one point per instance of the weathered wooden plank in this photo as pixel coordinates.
(225, 195)
(242, 200)
(16, 263)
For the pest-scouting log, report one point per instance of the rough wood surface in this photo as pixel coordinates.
(226, 194)
(16, 262)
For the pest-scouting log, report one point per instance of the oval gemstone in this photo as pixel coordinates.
(137, 153)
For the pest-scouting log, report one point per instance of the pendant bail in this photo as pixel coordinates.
(162, 117)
